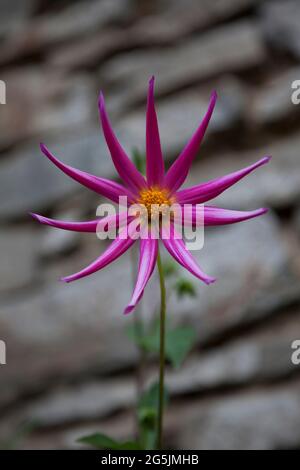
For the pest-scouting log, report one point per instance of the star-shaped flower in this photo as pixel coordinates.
(159, 188)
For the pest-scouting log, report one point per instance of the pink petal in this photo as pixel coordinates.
(206, 191)
(209, 215)
(105, 187)
(148, 256)
(180, 168)
(155, 162)
(124, 166)
(114, 251)
(178, 250)
(90, 226)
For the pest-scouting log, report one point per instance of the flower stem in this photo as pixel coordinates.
(161, 352)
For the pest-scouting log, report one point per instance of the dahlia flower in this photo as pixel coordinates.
(158, 188)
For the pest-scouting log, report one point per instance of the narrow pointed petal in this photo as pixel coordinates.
(114, 251)
(111, 221)
(105, 187)
(155, 162)
(177, 174)
(211, 189)
(210, 215)
(178, 250)
(148, 256)
(124, 166)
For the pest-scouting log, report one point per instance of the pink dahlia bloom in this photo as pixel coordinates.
(159, 187)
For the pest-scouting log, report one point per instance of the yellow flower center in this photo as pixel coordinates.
(155, 200)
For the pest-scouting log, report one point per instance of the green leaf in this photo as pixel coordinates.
(133, 335)
(170, 268)
(147, 415)
(184, 287)
(150, 342)
(101, 441)
(179, 342)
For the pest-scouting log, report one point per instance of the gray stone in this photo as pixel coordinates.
(177, 18)
(42, 101)
(222, 50)
(281, 25)
(257, 357)
(297, 221)
(171, 21)
(14, 14)
(272, 103)
(72, 22)
(281, 173)
(57, 242)
(120, 427)
(62, 328)
(92, 50)
(261, 419)
(77, 20)
(246, 259)
(17, 267)
(82, 402)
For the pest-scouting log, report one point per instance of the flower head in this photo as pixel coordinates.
(156, 193)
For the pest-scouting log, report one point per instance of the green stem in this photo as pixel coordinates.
(161, 352)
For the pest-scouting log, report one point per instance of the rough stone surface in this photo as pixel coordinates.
(70, 364)
(82, 402)
(13, 14)
(78, 20)
(179, 18)
(273, 104)
(256, 358)
(174, 131)
(92, 50)
(42, 101)
(74, 21)
(297, 221)
(55, 243)
(56, 318)
(282, 172)
(31, 169)
(17, 267)
(156, 28)
(248, 421)
(281, 22)
(259, 357)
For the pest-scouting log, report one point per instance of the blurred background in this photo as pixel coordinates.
(70, 365)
